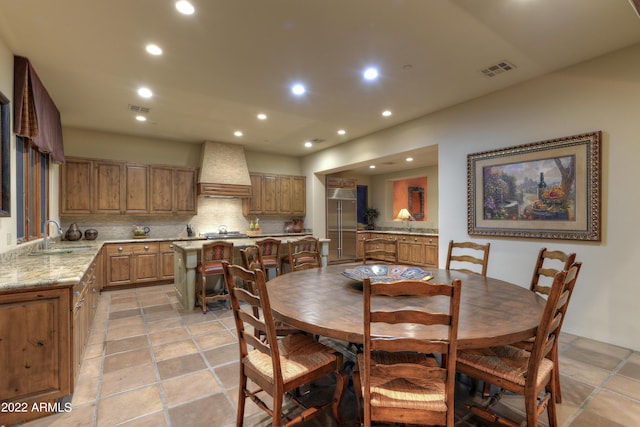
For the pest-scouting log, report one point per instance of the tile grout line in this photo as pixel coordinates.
(154, 363)
(597, 389)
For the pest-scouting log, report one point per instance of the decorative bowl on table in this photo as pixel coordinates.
(386, 273)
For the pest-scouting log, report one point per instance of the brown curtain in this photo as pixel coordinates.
(35, 114)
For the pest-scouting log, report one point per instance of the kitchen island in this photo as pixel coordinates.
(187, 258)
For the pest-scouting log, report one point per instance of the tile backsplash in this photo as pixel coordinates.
(212, 213)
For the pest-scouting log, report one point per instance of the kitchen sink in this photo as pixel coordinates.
(59, 251)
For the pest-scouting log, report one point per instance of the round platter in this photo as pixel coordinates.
(386, 273)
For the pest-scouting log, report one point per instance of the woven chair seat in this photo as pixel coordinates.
(507, 362)
(299, 354)
(406, 394)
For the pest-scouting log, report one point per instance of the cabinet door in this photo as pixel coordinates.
(35, 336)
(166, 261)
(253, 205)
(431, 252)
(145, 262)
(284, 195)
(108, 189)
(162, 190)
(137, 188)
(299, 198)
(184, 187)
(270, 194)
(119, 268)
(76, 187)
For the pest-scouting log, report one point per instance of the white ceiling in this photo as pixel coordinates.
(235, 58)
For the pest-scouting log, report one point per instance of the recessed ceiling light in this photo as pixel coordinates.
(298, 89)
(145, 92)
(262, 116)
(370, 73)
(308, 144)
(342, 132)
(185, 7)
(141, 118)
(238, 133)
(409, 159)
(386, 113)
(154, 49)
(372, 166)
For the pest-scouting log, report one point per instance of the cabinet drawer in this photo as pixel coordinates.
(132, 248)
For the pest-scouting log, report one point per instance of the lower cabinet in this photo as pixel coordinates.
(35, 352)
(166, 260)
(413, 249)
(130, 264)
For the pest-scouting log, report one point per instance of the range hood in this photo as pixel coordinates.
(223, 171)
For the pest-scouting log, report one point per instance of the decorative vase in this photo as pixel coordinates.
(91, 234)
(73, 233)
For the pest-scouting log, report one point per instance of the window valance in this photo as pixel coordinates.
(35, 114)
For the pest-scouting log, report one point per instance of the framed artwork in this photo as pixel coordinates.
(5, 162)
(546, 190)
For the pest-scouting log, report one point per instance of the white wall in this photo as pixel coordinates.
(602, 94)
(8, 224)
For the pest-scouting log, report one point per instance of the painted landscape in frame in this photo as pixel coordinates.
(548, 189)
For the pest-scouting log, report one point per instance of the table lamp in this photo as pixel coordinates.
(404, 215)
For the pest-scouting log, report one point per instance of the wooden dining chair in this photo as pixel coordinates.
(548, 264)
(380, 250)
(304, 253)
(252, 260)
(211, 258)
(397, 377)
(270, 253)
(278, 367)
(529, 373)
(468, 257)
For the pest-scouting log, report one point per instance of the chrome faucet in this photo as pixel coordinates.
(45, 242)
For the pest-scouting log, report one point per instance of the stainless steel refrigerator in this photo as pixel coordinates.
(342, 224)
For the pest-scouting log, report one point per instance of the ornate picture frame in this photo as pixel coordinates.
(546, 190)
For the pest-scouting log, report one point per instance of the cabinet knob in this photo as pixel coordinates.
(94, 290)
(121, 249)
(415, 239)
(430, 240)
(146, 248)
(170, 246)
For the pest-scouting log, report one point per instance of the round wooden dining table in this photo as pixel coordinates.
(323, 301)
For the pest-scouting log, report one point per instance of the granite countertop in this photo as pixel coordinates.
(412, 232)
(27, 271)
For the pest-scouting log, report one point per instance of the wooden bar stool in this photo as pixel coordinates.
(211, 264)
(270, 253)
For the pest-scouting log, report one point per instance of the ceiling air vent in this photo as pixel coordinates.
(498, 68)
(139, 109)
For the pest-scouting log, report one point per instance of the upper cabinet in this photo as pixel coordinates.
(276, 195)
(91, 186)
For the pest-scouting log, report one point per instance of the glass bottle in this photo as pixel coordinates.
(541, 186)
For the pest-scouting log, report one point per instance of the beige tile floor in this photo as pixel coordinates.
(150, 363)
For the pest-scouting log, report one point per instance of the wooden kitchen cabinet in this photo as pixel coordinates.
(92, 186)
(184, 189)
(276, 195)
(107, 187)
(166, 260)
(173, 190)
(136, 188)
(35, 337)
(418, 250)
(413, 249)
(130, 264)
(76, 179)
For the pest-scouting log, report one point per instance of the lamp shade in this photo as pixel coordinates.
(403, 215)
